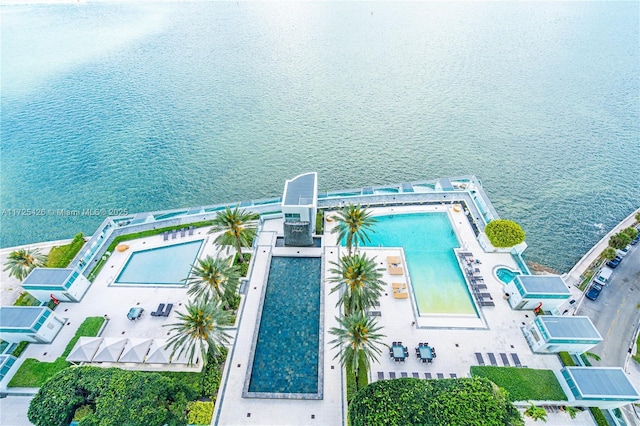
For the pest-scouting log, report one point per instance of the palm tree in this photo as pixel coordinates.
(21, 262)
(593, 356)
(199, 330)
(359, 278)
(213, 278)
(238, 229)
(358, 339)
(353, 223)
(536, 413)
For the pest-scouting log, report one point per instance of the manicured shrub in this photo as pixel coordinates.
(19, 349)
(631, 232)
(199, 412)
(451, 402)
(609, 253)
(523, 384)
(82, 412)
(619, 240)
(212, 374)
(504, 233)
(26, 299)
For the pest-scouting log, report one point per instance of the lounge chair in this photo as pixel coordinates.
(486, 296)
(158, 312)
(427, 375)
(415, 375)
(440, 375)
(400, 295)
(183, 232)
(174, 234)
(453, 375)
(487, 303)
(392, 375)
(191, 228)
(516, 360)
(375, 313)
(165, 235)
(380, 375)
(403, 374)
(396, 270)
(492, 359)
(167, 310)
(505, 360)
(398, 286)
(479, 358)
(394, 260)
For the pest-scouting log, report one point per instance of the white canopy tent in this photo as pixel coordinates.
(184, 357)
(157, 352)
(135, 350)
(84, 349)
(110, 349)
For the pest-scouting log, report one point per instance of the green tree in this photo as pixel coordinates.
(360, 281)
(619, 240)
(504, 233)
(238, 229)
(593, 356)
(536, 413)
(199, 330)
(609, 253)
(22, 261)
(571, 411)
(353, 224)
(358, 340)
(631, 232)
(637, 217)
(214, 279)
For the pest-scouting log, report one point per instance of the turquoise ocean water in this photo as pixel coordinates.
(147, 106)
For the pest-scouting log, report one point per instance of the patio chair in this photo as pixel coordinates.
(396, 270)
(479, 358)
(453, 375)
(400, 295)
(380, 375)
(165, 235)
(403, 374)
(492, 359)
(415, 375)
(487, 303)
(167, 310)
(191, 228)
(440, 375)
(174, 234)
(392, 375)
(183, 232)
(427, 375)
(398, 286)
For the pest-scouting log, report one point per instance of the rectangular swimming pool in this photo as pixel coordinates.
(428, 240)
(169, 265)
(286, 357)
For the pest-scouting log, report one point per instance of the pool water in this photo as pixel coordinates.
(506, 275)
(428, 241)
(287, 349)
(169, 265)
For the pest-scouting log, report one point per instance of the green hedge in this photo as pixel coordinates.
(61, 257)
(598, 416)
(452, 402)
(34, 373)
(319, 222)
(523, 384)
(26, 299)
(19, 349)
(566, 359)
(504, 233)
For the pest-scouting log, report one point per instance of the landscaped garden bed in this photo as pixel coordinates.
(523, 384)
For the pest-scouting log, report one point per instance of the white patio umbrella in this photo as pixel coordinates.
(110, 349)
(157, 353)
(135, 350)
(84, 349)
(184, 357)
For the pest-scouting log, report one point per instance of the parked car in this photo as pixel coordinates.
(624, 251)
(636, 240)
(594, 291)
(614, 263)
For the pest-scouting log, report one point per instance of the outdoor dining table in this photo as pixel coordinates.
(135, 313)
(426, 352)
(398, 352)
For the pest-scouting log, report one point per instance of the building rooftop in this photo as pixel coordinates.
(301, 190)
(20, 316)
(543, 284)
(602, 382)
(574, 327)
(47, 276)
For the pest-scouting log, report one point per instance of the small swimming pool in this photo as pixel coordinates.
(169, 265)
(285, 361)
(506, 275)
(428, 241)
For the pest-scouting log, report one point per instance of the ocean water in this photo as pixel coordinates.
(147, 106)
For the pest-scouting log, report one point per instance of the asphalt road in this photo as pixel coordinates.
(616, 312)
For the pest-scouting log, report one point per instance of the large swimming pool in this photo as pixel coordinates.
(168, 265)
(286, 355)
(428, 241)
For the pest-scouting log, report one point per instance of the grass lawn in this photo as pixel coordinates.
(60, 257)
(523, 384)
(33, 373)
(636, 357)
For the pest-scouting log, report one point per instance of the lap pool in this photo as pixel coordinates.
(169, 265)
(286, 356)
(428, 240)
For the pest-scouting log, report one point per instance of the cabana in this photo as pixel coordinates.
(84, 349)
(157, 352)
(110, 350)
(135, 350)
